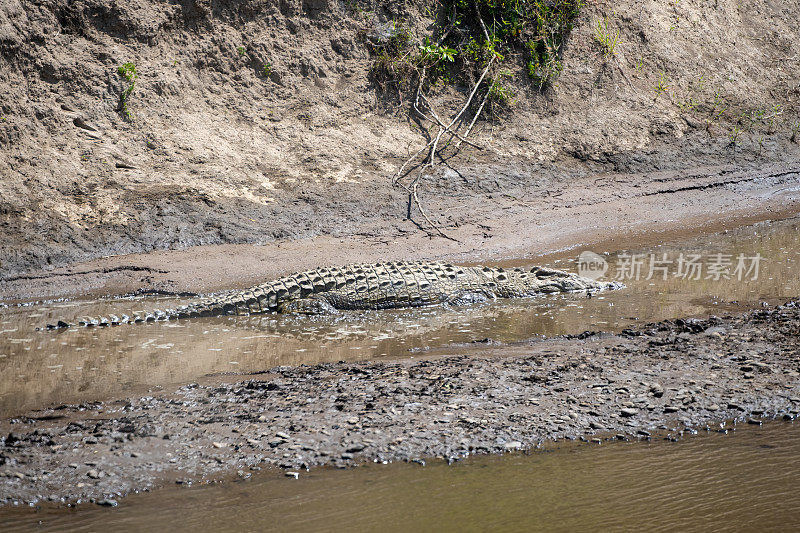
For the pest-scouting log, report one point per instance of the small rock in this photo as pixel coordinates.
(108, 502)
(282, 435)
(713, 407)
(218, 444)
(294, 475)
(513, 445)
(347, 455)
(754, 421)
(357, 447)
(629, 412)
(19, 475)
(671, 409)
(94, 474)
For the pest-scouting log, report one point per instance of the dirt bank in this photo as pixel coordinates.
(221, 152)
(662, 377)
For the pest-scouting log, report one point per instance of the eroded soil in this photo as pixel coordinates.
(658, 379)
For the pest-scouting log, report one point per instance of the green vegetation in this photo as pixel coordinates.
(241, 50)
(662, 84)
(795, 138)
(607, 38)
(128, 72)
(267, 69)
(463, 45)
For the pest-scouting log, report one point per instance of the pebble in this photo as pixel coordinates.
(513, 445)
(671, 409)
(94, 474)
(218, 444)
(108, 502)
(294, 475)
(629, 411)
(282, 435)
(713, 407)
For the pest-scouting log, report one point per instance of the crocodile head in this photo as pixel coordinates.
(539, 280)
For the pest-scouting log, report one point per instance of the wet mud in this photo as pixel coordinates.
(650, 381)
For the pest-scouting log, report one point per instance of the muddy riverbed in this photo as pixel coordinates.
(664, 377)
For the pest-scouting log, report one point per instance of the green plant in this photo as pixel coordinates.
(607, 38)
(266, 69)
(435, 53)
(241, 50)
(662, 85)
(128, 72)
(499, 92)
(471, 34)
(734, 135)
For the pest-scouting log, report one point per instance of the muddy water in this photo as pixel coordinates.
(748, 480)
(40, 368)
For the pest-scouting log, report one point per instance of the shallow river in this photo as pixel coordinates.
(41, 368)
(747, 480)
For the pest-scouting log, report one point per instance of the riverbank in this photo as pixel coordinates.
(659, 379)
(212, 149)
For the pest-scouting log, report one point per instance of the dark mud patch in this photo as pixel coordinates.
(662, 377)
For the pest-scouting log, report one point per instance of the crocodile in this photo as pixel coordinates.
(370, 286)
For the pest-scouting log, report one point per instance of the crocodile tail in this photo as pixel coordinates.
(251, 301)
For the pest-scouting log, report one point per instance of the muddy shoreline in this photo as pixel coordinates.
(603, 212)
(657, 379)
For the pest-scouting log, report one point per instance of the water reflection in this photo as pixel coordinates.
(38, 368)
